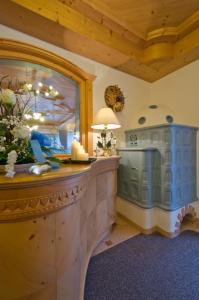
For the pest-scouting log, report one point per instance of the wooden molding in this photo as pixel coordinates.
(158, 52)
(18, 50)
(10, 49)
(27, 196)
(179, 31)
(42, 204)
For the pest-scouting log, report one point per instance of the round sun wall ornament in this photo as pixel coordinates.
(114, 98)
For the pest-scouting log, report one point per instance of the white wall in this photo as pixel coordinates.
(136, 91)
(136, 94)
(180, 91)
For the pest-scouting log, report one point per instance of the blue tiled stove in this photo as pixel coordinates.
(158, 167)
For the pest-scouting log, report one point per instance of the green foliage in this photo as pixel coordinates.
(99, 145)
(108, 144)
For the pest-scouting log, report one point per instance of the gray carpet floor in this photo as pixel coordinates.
(146, 267)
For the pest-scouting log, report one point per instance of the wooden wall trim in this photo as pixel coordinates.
(27, 196)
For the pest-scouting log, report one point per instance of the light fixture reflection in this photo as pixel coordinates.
(36, 115)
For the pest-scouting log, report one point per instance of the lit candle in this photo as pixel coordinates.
(74, 149)
(82, 156)
(79, 153)
(81, 149)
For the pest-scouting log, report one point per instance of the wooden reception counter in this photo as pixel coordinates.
(49, 227)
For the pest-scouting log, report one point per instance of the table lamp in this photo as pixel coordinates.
(105, 119)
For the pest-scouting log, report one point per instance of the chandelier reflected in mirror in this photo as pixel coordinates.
(38, 89)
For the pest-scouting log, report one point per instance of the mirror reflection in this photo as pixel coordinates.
(53, 109)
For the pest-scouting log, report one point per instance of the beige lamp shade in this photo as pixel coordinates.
(105, 119)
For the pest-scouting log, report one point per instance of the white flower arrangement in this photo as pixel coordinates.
(14, 133)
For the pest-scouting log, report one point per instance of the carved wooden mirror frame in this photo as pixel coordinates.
(10, 49)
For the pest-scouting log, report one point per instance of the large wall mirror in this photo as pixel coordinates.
(60, 106)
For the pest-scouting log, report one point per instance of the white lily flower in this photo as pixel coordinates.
(21, 132)
(2, 148)
(8, 97)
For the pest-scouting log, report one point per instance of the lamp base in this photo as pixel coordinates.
(107, 152)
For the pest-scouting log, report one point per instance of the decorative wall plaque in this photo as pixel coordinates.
(114, 98)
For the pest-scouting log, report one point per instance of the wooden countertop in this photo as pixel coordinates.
(66, 170)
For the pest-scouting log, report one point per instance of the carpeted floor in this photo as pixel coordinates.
(146, 267)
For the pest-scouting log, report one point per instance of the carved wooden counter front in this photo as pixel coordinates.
(49, 227)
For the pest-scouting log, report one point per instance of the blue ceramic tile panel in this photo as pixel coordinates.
(158, 166)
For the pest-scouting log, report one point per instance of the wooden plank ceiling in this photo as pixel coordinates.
(148, 39)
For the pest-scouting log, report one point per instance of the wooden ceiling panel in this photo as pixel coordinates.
(147, 39)
(146, 15)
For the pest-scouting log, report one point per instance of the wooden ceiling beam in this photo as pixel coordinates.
(103, 19)
(71, 19)
(24, 20)
(187, 43)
